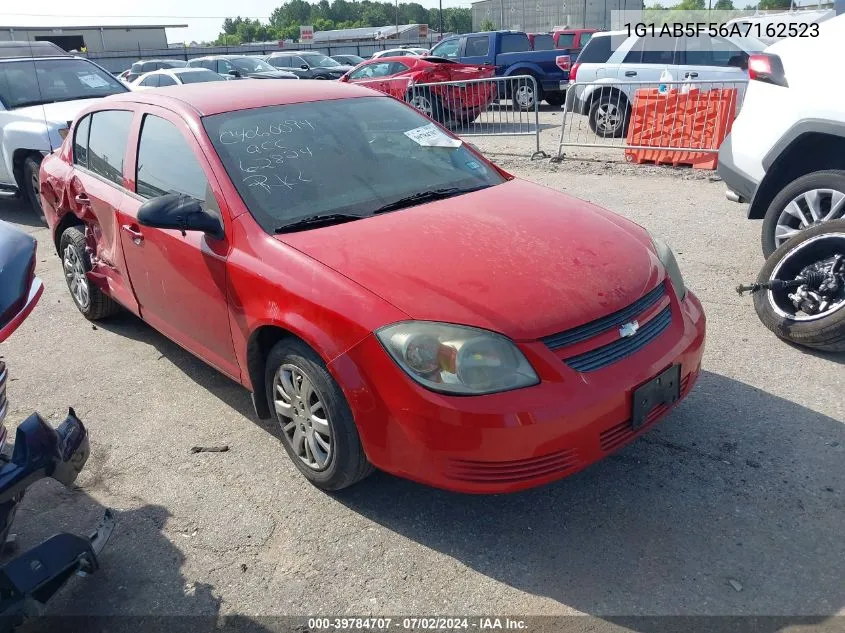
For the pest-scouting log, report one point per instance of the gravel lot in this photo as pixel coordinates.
(734, 505)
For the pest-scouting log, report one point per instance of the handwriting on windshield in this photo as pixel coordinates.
(243, 135)
(274, 181)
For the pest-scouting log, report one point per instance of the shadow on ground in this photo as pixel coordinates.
(733, 506)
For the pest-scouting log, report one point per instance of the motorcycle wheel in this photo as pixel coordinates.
(824, 331)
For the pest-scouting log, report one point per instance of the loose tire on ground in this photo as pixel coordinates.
(347, 464)
(832, 179)
(98, 306)
(31, 186)
(824, 334)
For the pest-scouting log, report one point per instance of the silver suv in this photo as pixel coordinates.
(611, 63)
(41, 90)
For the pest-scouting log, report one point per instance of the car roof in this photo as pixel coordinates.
(18, 49)
(206, 99)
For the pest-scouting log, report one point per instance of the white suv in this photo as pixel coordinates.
(785, 155)
(613, 63)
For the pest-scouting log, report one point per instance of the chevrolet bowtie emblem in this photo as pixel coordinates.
(629, 329)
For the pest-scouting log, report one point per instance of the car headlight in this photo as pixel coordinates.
(457, 359)
(667, 258)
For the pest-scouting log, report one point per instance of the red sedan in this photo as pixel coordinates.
(417, 80)
(390, 297)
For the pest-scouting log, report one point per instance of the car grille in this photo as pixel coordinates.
(593, 328)
(622, 433)
(558, 463)
(624, 347)
(4, 374)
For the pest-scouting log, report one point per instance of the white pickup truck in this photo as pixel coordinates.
(41, 89)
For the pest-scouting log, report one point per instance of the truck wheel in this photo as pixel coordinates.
(608, 116)
(32, 186)
(806, 201)
(524, 95)
(823, 331)
(318, 431)
(555, 98)
(89, 299)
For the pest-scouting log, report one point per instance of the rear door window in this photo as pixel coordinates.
(515, 43)
(597, 51)
(166, 80)
(107, 143)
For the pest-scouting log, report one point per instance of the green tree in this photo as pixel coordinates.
(768, 5)
(487, 25)
(724, 5)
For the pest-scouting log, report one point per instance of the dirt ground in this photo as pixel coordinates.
(733, 505)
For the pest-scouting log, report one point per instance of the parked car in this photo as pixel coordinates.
(572, 39)
(416, 49)
(348, 60)
(614, 63)
(175, 77)
(41, 90)
(788, 162)
(308, 65)
(395, 52)
(240, 66)
(511, 55)
(145, 66)
(305, 239)
(448, 104)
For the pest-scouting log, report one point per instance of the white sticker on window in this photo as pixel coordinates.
(93, 81)
(432, 136)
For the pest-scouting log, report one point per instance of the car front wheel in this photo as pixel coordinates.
(807, 201)
(32, 186)
(89, 299)
(318, 431)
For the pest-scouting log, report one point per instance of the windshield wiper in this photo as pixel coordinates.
(317, 220)
(426, 196)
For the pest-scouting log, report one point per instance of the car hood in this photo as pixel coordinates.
(516, 258)
(273, 74)
(60, 112)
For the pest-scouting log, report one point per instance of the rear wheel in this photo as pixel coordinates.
(32, 186)
(428, 104)
(608, 116)
(527, 94)
(89, 299)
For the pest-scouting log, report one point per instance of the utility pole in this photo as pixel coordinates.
(440, 15)
(397, 20)
(502, 14)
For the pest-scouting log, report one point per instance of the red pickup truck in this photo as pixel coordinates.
(574, 39)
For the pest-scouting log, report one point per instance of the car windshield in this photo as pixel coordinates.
(342, 156)
(251, 64)
(320, 61)
(33, 82)
(199, 76)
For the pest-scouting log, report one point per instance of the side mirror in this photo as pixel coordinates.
(181, 213)
(234, 73)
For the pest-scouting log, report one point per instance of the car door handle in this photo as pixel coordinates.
(690, 75)
(82, 200)
(134, 232)
(630, 73)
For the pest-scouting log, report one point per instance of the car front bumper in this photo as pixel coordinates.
(517, 439)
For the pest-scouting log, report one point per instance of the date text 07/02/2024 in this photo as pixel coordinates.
(713, 29)
(434, 623)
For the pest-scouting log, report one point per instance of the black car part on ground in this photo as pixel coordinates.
(800, 292)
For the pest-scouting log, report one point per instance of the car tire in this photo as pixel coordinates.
(826, 333)
(555, 99)
(90, 300)
(32, 186)
(524, 96)
(608, 117)
(289, 364)
(429, 104)
(831, 180)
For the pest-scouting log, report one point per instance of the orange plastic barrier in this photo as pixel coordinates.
(695, 119)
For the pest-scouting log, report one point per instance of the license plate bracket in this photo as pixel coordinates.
(665, 388)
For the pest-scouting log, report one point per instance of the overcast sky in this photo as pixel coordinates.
(203, 17)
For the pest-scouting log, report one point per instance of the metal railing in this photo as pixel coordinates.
(659, 116)
(494, 106)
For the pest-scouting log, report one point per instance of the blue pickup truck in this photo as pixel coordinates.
(510, 52)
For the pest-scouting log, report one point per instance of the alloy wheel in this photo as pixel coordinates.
(423, 104)
(75, 276)
(303, 416)
(524, 96)
(608, 117)
(807, 209)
